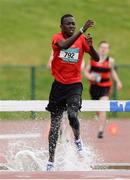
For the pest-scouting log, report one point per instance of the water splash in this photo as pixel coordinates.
(21, 157)
(33, 156)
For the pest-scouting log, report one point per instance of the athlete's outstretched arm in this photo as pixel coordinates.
(115, 75)
(93, 53)
(65, 44)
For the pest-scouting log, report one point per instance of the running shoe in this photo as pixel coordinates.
(100, 135)
(79, 145)
(50, 166)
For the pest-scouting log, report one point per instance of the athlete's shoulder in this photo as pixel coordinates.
(57, 35)
(111, 60)
(83, 37)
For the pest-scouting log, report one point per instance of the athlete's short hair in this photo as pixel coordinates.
(103, 42)
(65, 16)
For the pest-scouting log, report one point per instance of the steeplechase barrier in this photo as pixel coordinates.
(87, 105)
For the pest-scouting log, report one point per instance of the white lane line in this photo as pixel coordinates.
(19, 136)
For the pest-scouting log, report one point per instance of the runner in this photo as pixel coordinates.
(99, 74)
(68, 49)
(49, 63)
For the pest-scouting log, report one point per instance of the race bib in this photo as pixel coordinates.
(69, 55)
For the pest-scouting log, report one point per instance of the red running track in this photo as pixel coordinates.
(113, 148)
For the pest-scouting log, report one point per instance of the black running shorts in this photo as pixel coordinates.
(61, 93)
(97, 92)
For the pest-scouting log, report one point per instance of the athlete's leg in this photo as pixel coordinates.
(102, 119)
(56, 118)
(73, 105)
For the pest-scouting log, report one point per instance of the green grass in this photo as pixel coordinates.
(26, 29)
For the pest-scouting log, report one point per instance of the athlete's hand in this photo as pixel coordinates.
(92, 77)
(89, 40)
(88, 24)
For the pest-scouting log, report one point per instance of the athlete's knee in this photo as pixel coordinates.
(73, 119)
(56, 118)
(72, 114)
(55, 125)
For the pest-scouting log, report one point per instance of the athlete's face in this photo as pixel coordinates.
(104, 49)
(68, 26)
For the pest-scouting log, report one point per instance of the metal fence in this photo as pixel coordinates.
(29, 77)
(33, 79)
(32, 75)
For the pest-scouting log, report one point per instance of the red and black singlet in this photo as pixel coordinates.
(104, 70)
